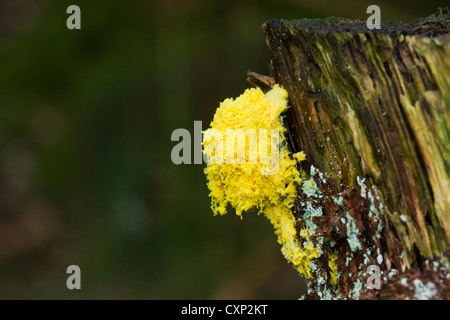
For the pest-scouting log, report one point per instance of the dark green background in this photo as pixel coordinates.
(86, 118)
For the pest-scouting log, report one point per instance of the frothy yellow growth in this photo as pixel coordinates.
(244, 187)
(333, 268)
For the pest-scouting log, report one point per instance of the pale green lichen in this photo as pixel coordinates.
(362, 185)
(404, 282)
(310, 188)
(313, 172)
(356, 289)
(380, 259)
(309, 213)
(373, 210)
(352, 234)
(424, 291)
(339, 201)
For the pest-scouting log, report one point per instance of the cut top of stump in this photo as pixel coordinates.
(431, 26)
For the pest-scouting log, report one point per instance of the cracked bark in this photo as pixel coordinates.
(372, 106)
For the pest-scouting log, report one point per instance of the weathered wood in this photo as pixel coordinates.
(371, 111)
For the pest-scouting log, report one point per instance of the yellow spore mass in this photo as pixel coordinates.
(242, 185)
(333, 268)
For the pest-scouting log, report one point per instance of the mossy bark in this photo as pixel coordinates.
(371, 111)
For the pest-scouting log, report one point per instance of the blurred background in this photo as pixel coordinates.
(86, 118)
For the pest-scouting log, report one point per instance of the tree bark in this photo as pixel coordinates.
(371, 111)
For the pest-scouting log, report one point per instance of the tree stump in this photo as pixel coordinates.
(371, 111)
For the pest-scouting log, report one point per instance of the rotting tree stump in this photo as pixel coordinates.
(371, 111)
